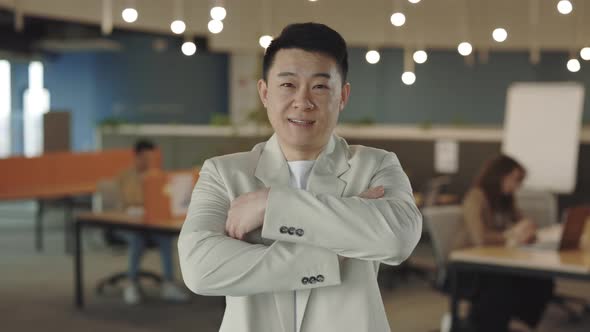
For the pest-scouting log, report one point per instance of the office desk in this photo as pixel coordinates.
(574, 264)
(63, 194)
(113, 220)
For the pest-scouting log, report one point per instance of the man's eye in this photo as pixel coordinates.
(287, 85)
(320, 86)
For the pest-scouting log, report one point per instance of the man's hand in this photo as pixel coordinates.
(246, 213)
(373, 193)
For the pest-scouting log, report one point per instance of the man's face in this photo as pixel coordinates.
(143, 160)
(303, 96)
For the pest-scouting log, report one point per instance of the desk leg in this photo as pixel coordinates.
(68, 221)
(454, 274)
(79, 288)
(39, 225)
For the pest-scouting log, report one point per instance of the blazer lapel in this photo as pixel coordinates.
(325, 179)
(272, 170)
(330, 165)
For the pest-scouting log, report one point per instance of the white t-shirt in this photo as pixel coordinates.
(299, 173)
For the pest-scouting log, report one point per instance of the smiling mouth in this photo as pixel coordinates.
(303, 123)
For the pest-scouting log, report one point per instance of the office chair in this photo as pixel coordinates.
(541, 207)
(443, 224)
(433, 188)
(413, 266)
(108, 198)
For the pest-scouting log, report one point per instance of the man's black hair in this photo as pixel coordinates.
(143, 145)
(310, 37)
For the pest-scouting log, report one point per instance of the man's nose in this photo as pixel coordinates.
(303, 101)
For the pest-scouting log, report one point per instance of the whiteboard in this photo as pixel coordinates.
(542, 131)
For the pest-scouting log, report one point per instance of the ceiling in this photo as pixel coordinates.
(430, 24)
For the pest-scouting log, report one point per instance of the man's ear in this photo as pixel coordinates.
(262, 91)
(345, 95)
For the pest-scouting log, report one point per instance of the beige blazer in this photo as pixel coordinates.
(304, 234)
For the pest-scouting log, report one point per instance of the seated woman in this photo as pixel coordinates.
(492, 218)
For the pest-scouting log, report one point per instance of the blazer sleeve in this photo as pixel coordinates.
(215, 264)
(385, 229)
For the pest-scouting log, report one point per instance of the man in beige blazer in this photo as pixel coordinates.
(293, 232)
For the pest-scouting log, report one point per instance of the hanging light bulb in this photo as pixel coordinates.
(499, 34)
(420, 56)
(189, 48)
(573, 65)
(372, 57)
(265, 41)
(218, 13)
(564, 7)
(398, 19)
(585, 53)
(178, 26)
(465, 48)
(129, 15)
(215, 26)
(408, 78)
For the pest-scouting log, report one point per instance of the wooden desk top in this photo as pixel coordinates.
(125, 219)
(572, 261)
(48, 192)
(441, 199)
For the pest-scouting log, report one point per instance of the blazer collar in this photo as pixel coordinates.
(272, 168)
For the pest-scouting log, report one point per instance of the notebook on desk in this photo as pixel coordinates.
(548, 238)
(563, 237)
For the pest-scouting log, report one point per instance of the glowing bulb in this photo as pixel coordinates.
(265, 41)
(465, 48)
(414, 1)
(177, 27)
(585, 53)
(573, 65)
(564, 7)
(500, 35)
(129, 15)
(408, 78)
(215, 26)
(218, 13)
(189, 48)
(372, 57)
(398, 19)
(420, 56)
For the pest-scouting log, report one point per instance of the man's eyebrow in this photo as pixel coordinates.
(288, 73)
